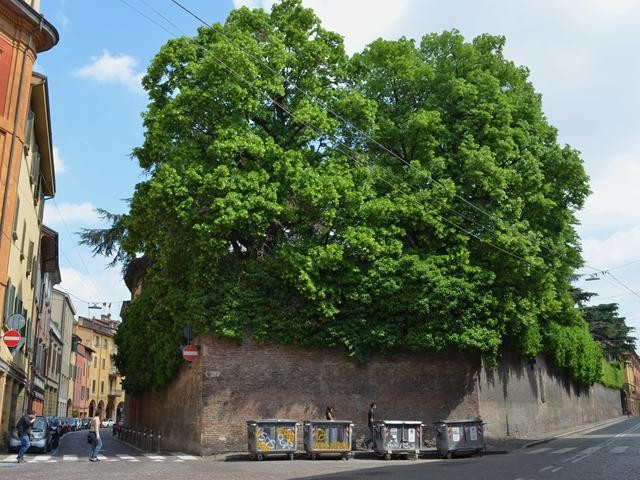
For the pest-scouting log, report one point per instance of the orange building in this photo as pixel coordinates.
(24, 33)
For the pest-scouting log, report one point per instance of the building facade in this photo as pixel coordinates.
(62, 314)
(24, 122)
(631, 387)
(104, 381)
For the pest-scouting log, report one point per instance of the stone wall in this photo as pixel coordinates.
(524, 398)
(206, 407)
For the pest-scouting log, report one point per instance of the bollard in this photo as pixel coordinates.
(159, 438)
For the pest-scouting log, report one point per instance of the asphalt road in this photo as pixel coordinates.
(607, 453)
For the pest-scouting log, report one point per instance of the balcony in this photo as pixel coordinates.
(116, 392)
(113, 371)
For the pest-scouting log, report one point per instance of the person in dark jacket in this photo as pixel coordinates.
(24, 433)
(371, 417)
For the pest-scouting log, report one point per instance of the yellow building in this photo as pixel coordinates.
(104, 381)
(24, 33)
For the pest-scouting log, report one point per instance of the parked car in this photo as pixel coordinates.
(86, 421)
(42, 437)
(107, 423)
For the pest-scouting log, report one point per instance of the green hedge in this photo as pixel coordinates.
(612, 374)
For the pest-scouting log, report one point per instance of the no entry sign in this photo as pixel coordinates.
(190, 353)
(11, 338)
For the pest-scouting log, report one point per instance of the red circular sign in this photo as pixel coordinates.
(11, 338)
(190, 353)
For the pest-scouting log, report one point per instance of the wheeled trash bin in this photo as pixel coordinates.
(459, 436)
(397, 437)
(328, 437)
(272, 437)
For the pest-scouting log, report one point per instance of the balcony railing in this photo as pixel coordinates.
(114, 392)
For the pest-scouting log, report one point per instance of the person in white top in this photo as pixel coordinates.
(94, 436)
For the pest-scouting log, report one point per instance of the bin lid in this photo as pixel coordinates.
(272, 420)
(398, 422)
(471, 420)
(323, 420)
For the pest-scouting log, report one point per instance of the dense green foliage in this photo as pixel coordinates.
(264, 214)
(612, 374)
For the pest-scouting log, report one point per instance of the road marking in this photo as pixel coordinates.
(102, 458)
(581, 457)
(556, 469)
(537, 450)
(10, 458)
(546, 468)
(44, 458)
(619, 449)
(591, 450)
(70, 458)
(128, 458)
(187, 457)
(156, 458)
(563, 450)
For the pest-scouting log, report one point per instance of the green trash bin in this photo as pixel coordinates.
(272, 437)
(459, 436)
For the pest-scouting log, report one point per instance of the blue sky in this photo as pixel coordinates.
(579, 53)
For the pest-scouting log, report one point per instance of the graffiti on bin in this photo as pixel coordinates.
(284, 438)
(331, 438)
(409, 440)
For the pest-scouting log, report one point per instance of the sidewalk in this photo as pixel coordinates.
(531, 441)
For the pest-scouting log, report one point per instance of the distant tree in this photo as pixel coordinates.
(267, 213)
(607, 327)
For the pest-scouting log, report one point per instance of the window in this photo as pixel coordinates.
(93, 386)
(103, 364)
(30, 258)
(101, 387)
(104, 342)
(95, 362)
(82, 393)
(24, 235)
(14, 230)
(96, 341)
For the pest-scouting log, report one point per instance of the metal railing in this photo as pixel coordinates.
(143, 438)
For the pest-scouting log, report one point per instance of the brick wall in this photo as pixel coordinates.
(206, 407)
(251, 381)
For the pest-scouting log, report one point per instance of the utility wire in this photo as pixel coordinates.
(339, 142)
(328, 109)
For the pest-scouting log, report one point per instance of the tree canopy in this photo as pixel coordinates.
(411, 196)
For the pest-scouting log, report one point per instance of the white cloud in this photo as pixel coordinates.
(59, 164)
(97, 285)
(119, 69)
(620, 247)
(66, 214)
(359, 21)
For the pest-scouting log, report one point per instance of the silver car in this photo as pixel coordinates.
(41, 437)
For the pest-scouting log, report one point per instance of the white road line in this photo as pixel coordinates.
(556, 469)
(581, 457)
(187, 457)
(10, 458)
(591, 450)
(70, 458)
(572, 457)
(546, 468)
(537, 450)
(156, 458)
(563, 450)
(128, 458)
(102, 458)
(43, 458)
(619, 449)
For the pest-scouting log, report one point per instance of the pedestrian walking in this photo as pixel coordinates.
(371, 417)
(328, 414)
(24, 433)
(94, 436)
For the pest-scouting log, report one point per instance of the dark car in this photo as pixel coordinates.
(86, 422)
(42, 437)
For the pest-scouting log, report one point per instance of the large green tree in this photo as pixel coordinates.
(409, 197)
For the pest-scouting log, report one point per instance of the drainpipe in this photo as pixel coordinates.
(15, 123)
